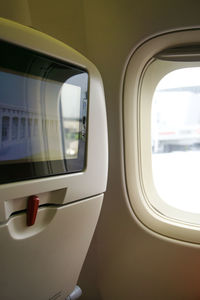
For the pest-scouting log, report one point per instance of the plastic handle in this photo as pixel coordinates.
(32, 209)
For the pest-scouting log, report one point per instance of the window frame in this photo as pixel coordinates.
(137, 171)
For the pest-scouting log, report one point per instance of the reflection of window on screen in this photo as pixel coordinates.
(70, 101)
(14, 128)
(22, 128)
(5, 128)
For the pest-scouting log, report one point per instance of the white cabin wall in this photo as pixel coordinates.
(125, 261)
(62, 19)
(16, 10)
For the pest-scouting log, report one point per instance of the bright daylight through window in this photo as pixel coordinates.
(175, 136)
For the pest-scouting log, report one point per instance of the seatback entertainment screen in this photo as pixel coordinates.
(43, 115)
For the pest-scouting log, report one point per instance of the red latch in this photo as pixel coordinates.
(32, 209)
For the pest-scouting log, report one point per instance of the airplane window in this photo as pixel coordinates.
(170, 137)
(175, 133)
(162, 134)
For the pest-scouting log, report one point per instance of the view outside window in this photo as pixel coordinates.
(176, 139)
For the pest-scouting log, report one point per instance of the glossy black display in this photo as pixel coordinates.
(43, 115)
